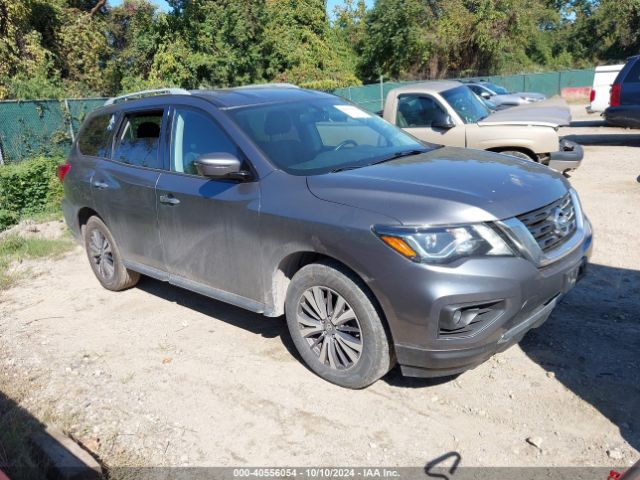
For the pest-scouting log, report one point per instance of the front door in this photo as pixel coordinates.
(209, 227)
(417, 113)
(124, 187)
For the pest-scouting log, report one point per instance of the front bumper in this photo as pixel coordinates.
(569, 157)
(522, 293)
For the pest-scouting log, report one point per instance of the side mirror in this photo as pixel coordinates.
(485, 95)
(443, 121)
(220, 165)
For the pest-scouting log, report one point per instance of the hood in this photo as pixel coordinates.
(508, 98)
(551, 113)
(531, 95)
(444, 186)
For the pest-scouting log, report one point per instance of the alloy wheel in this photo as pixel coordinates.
(101, 254)
(330, 327)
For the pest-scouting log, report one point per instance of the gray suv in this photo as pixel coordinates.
(378, 248)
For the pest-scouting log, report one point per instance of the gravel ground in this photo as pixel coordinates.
(160, 376)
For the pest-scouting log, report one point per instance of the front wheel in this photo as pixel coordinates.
(519, 154)
(105, 258)
(336, 327)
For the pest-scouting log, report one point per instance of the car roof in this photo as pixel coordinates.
(228, 98)
(429, 86)
(224, 99)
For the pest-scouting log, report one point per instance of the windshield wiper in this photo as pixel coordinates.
(348, 167)
(404, 153)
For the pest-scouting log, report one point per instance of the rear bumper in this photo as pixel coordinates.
(569, 157)
(623, 116)
(70, 213)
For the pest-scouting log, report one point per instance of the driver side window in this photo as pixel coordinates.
(417, 111)
(194, 134)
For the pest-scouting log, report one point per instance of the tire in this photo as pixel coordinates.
(105, 257)
(349, 347)
(519, 154)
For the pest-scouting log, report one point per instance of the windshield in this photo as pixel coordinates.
(497, 88)
(466, 104)
(323, 135)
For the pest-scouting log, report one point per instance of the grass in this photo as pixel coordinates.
(50, 213)
(16, 249)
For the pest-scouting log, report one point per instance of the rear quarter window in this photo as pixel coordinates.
(634, 72)
(95, 137)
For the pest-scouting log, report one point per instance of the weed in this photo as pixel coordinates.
(15, 249)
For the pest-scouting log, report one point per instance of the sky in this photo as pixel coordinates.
(163, 4)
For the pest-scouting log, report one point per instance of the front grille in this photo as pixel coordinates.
(553, 224)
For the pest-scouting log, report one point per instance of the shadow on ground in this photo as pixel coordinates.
(236, 316)
(592, 344)
(608, 136)
(23, 441)
(16, 424)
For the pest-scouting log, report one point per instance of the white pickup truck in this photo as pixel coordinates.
(449, 113)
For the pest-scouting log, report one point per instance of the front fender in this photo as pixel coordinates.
(538, 139)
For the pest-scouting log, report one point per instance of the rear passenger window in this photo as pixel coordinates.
(95, 139)
(138, 141)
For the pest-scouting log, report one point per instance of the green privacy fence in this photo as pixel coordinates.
(371, 97)
(29, 128)
(34, 127)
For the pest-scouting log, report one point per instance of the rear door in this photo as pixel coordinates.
(124, 186)
(416, 114)
(91, 150)
(209, 227)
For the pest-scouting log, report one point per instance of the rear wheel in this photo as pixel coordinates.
(105, 258)
(336, 327)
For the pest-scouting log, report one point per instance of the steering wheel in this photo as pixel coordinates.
(344, 143)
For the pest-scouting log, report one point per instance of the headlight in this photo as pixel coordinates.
(440, 245)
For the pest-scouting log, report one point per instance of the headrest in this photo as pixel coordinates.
(277, 123)
(148, 130)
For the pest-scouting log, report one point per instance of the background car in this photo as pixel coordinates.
(624, 109)
(449, 113)
(501, 96)
(604, 77)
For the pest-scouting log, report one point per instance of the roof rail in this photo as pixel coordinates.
(147, 93)
(267, 85)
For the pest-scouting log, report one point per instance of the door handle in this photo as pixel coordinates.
(169, 200)
(100, 185)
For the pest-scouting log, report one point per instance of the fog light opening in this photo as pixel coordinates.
(463, 319)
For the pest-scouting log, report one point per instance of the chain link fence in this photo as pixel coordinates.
(371, 97)
(40, 127)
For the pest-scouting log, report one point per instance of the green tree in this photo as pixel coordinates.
(300, 47)
(398, 42)
(27, 68)
(212, 43)
(135, 31)
(84, 52)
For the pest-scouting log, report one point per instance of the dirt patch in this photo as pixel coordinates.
(51, 230)
(174, 378)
